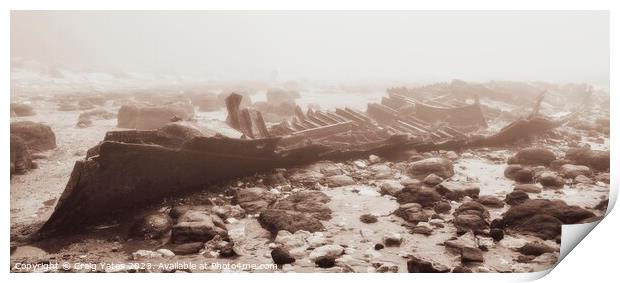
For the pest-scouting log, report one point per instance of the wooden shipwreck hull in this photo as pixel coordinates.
(131, 169)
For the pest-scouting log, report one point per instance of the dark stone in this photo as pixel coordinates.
(412, 212)
(188, 248)
(368, 218)
(497, 223)
(417, 265)
(325, 262)
(443, 207)
(524, 175)
(490, 201)
(275, 220)
(516, 197)
(469, 254)
(426, 197)
(497, 234)
(550, 179)
(535, 249)
(379, 246)
(281, 256)
(534, 156)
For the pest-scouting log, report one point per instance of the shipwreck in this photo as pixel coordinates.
(130, 169)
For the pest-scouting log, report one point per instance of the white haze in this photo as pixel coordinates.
(335, 46)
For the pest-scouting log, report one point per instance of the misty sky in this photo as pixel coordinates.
(323, 46)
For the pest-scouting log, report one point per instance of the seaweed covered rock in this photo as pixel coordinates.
(543, 218)
(275, 220)
(36, 136)
(21, 110)
(139, 116)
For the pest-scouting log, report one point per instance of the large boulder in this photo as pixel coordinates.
(543, 217)
(441, 167)
(139, 116)
(533, 156)
(596, 159)
(36, 136)
(21, 109)
(275, 220)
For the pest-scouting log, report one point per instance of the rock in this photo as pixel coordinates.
(368, 218)
(418, 265)
(572, 171)
(423, 230)
(543, 218)
(188, 248)
(327, 169)
(461, 269)
(470, 222)
(152, 226)
(254, 200)
(511, 171)
(596, 159)
(310, 202)
(427, 197)
(229, 211)
(602, 205)
(490, 201)
(166, 252)
(557, 164)
(145, 254)
(534, 156)
(374, 159)
(379, 247)
(390, 187)
(141, 116)
(392, 239)
(275, 220)
(412, 212)
(496, 234)
(524, 175)
(290, 241)
(21, 159)
(516, 197)
(386, 267)
(340, 181)
(469, 254)
(432, 180)
(528, 188)
(454, 190)
(550, 179)
(535, 249)
(281, 256)
(381, 171)
(325, 256)
(581, 179)
(21, 110)
(306, 176)
(472, 207)
(36, 136)
(466, 240)
(197, 226)
(442, 207)
(441, 167)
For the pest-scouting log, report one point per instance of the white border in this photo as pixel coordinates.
(584, 267)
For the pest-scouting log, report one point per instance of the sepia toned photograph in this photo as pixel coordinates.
(212, 141)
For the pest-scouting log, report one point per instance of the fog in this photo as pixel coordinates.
(339, 46)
